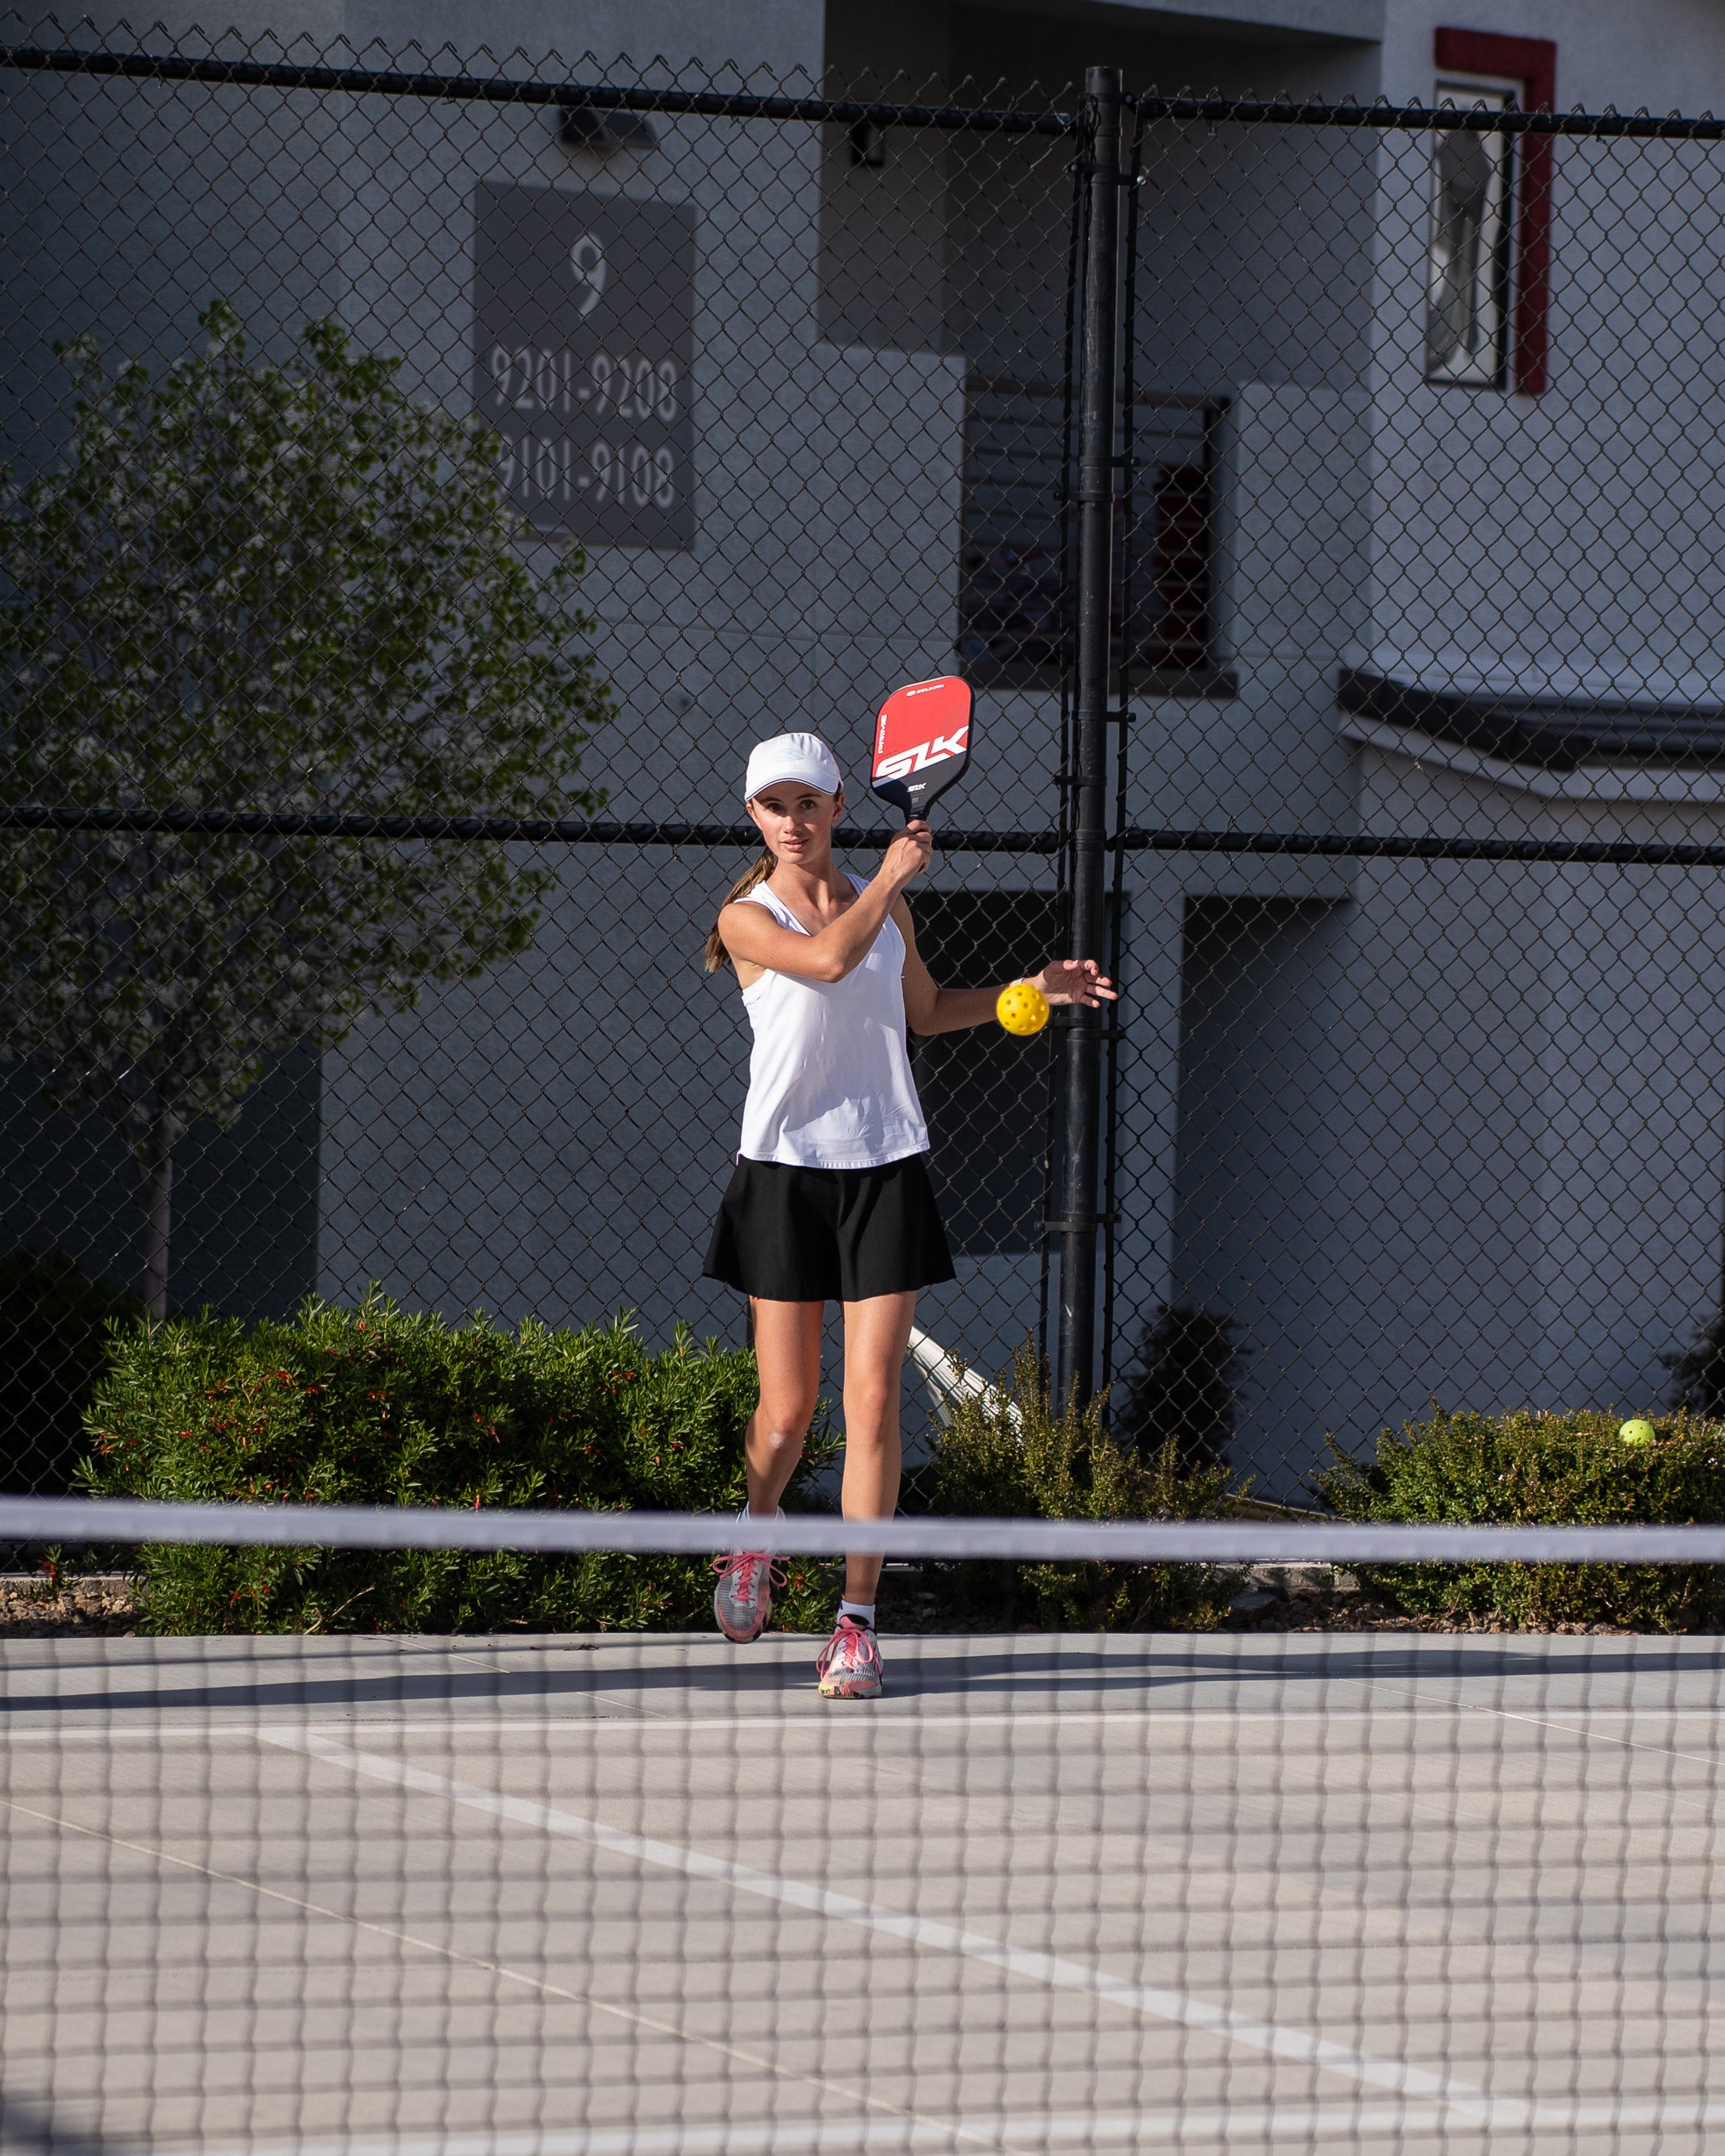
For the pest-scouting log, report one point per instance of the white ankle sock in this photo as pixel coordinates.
(744, 1519)
(862, 1612)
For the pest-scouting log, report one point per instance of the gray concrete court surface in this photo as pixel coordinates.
(589, 1896)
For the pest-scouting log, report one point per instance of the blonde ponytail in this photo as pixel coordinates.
(757, 873)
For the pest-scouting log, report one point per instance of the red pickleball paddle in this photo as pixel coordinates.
(922, 742)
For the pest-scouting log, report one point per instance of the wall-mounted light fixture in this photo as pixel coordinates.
(868, 144)
(583, 127)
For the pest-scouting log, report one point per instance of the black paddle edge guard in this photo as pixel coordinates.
(52, 1520)
(503, 89)
(582, 831)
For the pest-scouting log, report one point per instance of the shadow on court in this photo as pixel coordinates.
(30, 2129)
(277, 1676)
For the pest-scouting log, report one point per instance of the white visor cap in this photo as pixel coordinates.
(804, 756)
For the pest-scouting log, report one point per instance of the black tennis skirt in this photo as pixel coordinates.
(829, 1234)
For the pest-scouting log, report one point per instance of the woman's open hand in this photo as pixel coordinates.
(1075, 981)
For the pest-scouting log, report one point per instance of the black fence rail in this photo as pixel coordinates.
(1322, 498)
(594, 831)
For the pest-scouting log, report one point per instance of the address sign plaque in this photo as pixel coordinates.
(583, 343)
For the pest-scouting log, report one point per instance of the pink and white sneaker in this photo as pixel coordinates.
(742, 1600)
(849, 1666)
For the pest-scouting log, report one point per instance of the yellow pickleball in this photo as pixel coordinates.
(1638, 1430)
(1021, 1008)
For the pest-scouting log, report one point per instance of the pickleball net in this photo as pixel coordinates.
(500, 1892)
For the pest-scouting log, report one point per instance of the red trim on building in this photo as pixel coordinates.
(1533, 63)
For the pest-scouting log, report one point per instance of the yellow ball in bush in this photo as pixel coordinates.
(1638, 1430)
(1021, 1008)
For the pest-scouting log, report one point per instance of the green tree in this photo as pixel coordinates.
(264, 586)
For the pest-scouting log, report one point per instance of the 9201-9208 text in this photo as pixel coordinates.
(539, 378)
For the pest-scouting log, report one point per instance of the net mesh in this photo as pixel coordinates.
(426, 476)
(1318, 1878)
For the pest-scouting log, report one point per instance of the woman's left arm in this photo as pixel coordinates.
(929, 1009)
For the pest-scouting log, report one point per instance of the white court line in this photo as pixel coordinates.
(824, 1718)
(1564, 1728)
(734, 2052)
(1205, 2126)
(1056, 1971)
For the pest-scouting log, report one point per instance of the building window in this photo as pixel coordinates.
(1013, 622)
(1172, 631)
(1012, 610)
(1468, 296)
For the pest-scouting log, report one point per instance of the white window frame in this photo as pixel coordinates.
(1467, 303)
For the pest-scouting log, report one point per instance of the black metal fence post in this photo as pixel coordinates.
(1081, 1045)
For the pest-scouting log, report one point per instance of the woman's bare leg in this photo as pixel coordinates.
(877, 1332)
(787, 1354)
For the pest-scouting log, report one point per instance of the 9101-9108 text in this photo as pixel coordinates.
(559, 470)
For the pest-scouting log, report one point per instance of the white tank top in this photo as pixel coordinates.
(829, 1078)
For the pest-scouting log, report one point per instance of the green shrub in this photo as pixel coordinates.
(53, 1344)
(1541, 1470)
(377, 1407)
(1048, 1466)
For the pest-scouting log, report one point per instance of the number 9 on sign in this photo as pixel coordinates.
(587, 260)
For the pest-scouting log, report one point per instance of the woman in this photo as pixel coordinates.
(830, 1199)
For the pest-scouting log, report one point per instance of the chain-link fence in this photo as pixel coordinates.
(425, 485)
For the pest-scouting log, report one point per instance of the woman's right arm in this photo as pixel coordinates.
(749, 933)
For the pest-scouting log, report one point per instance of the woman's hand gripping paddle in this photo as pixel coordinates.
(922, 742)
